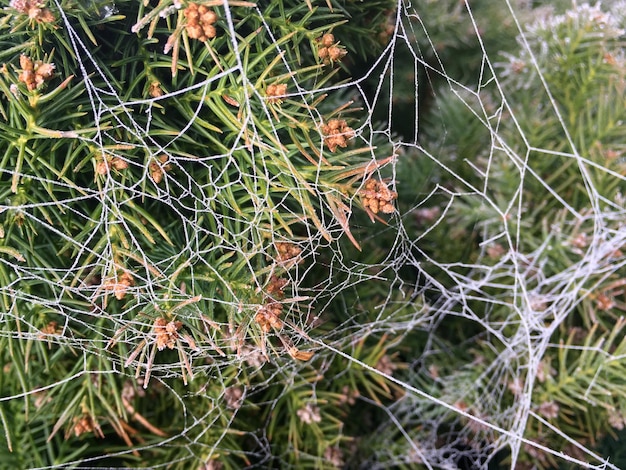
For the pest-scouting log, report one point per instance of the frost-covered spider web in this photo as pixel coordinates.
(223, 268)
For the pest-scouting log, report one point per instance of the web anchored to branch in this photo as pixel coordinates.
(322, 234)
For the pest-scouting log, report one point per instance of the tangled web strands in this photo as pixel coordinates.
(226, 226)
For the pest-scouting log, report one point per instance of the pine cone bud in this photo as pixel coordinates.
(336, 134)
(200, 20)
(377, 197)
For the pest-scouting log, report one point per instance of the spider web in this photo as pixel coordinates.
(211, 267)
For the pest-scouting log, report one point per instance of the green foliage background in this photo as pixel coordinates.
(155, 177)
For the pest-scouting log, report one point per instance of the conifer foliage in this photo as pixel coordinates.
(168, 171)
(224, 245)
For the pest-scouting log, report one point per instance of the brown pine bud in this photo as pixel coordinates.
(327, 40)
(376, 197)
